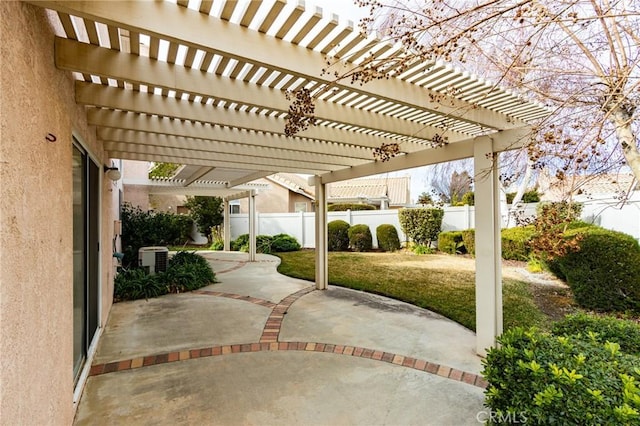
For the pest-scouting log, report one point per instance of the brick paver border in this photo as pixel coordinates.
(269, 342)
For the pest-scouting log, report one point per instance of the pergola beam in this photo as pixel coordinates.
(212, 146)
(248, 178)
(502, 141)
(128, 100)
(196, 30)
(201, 171)
(153, 124)
(107, 63)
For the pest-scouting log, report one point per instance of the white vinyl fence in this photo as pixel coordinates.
(302, 225)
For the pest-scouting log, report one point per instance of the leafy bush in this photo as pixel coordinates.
(516, 242)
(352, 207)
(207, 212)
(217, 244)
(240, 242)
(263, 244)
(421, 225)
(451, 242)
(360, 238)
(604, 272)
(186, 271)
(387, 236)
(132, 284)
(469, 241)
(421, 249)
(606, 328)
(468, 199)
(530, 196)
(338, 239)
(563, 378)
(283, 243)
(140, 229)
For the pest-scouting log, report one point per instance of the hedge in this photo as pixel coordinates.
(338, 238)
(451, 242)
(469, 241)
(604, 273)
(421, 225)
(565, 377)
(352, 207)
(360, 238)
(266, 243)
(515, 242)
(387, 236)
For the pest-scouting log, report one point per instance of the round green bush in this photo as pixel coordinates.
(387, 236)
(451, 242)
(338, 238)
(515, 242)
(284, 243)
(604, 328)
(469, 241)
(360, 238)
(604, 273)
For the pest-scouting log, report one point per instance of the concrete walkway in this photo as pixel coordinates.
(260, 348)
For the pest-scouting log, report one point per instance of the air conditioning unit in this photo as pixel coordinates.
(153, 259)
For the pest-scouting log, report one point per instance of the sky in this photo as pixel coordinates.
(346, 9)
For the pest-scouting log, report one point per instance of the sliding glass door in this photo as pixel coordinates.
(86, 192)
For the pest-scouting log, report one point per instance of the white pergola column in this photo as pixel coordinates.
(488, 248)
(227, 226)
(252, 226)
(322, 265)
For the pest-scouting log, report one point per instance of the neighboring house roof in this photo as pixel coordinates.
(393, 189)
(587, 186)
(294, 183)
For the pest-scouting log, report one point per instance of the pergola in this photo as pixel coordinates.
(202, 83)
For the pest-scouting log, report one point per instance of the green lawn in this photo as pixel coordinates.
(427, 281)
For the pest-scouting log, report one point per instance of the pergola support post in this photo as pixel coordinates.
(252, 226)
(487, 245)
(322, 268)
(227, 226)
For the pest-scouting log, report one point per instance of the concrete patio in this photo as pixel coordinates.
(260, 348)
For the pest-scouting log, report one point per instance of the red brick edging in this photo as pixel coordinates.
(414, 363)
(269, 342)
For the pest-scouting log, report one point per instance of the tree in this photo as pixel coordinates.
(425, 199)
(451, 186)
(163, 170)
(207, 212)
(578, 57)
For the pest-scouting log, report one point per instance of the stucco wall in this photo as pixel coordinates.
(36, 262)
(277, 199)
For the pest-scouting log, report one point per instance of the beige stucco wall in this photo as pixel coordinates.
(36, 262)
(137, 195)
(277, 199)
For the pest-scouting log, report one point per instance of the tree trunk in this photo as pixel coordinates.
(622, 121)
(521, 190)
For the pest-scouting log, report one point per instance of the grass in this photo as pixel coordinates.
(420, 280)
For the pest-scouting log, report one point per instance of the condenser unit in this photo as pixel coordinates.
(153, 259)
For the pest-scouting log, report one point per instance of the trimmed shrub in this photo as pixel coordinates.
(604, 328)
(559, 378)
(604, 273)
(469, 241)
(240, 242)
(263, 244)
(451, 242)
(515, 242)
(352, 207)
(284, 243)
(360, 238)
(387, 236)
(421, 225)
(531, 196)
(338, 238)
